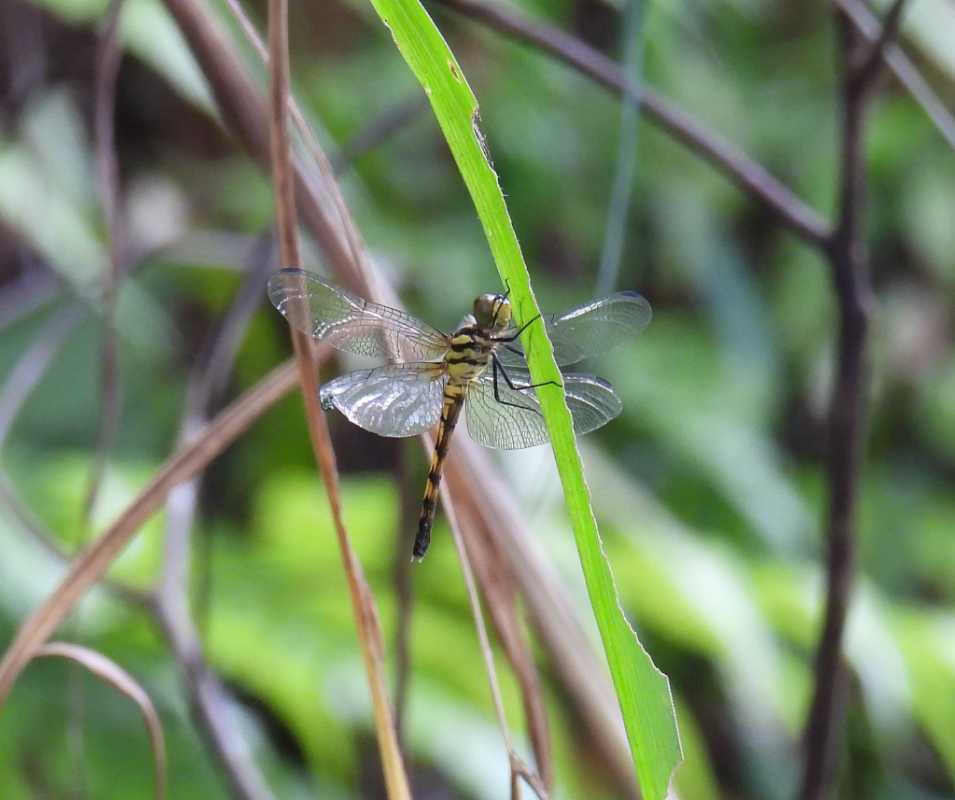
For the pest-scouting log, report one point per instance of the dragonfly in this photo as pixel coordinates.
(479, 368)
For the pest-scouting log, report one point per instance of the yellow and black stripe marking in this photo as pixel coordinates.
(468, 356)
(450, 411)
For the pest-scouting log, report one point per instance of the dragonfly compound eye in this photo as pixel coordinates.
(492, 311)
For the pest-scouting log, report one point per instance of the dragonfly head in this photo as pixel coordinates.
(492, 311)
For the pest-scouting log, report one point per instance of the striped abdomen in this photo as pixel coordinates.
(450, 410)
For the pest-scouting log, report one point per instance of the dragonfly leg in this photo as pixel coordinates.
(514, 350)
(498, 368)
(519, 331)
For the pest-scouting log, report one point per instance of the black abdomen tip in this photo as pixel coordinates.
(423, 539)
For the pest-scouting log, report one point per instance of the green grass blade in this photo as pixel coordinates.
(642, 690)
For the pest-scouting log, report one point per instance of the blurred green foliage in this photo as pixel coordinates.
(708, 488)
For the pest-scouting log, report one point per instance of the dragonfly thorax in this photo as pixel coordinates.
(473, 342)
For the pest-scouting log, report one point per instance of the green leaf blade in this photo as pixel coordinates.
(643, 692)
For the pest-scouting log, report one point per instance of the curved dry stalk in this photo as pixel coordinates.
(363, 603)
(114, 675)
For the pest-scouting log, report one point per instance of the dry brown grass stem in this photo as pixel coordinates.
(368, 627)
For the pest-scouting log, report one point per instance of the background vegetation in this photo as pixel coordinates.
(711, 489)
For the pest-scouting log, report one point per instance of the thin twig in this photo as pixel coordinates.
(380, 128)
(408, 504)
(28, 294)
(747, 174)
(366, 615)
(621, 192)
(849, 266)
(32, 366)
(515, 764)
(521, 772)
(282, 177)
(171, 606)
(210, 704)
(871, 59)
(108, 59)
(904, 70)
(498, 586)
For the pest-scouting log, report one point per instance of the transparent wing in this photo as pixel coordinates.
(393, 400)
(588, 329)
(515, 421)
(348, 322)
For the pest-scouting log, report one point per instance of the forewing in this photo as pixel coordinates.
(350, 323)
(589, 329)
(515, 420)
(393, 400)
